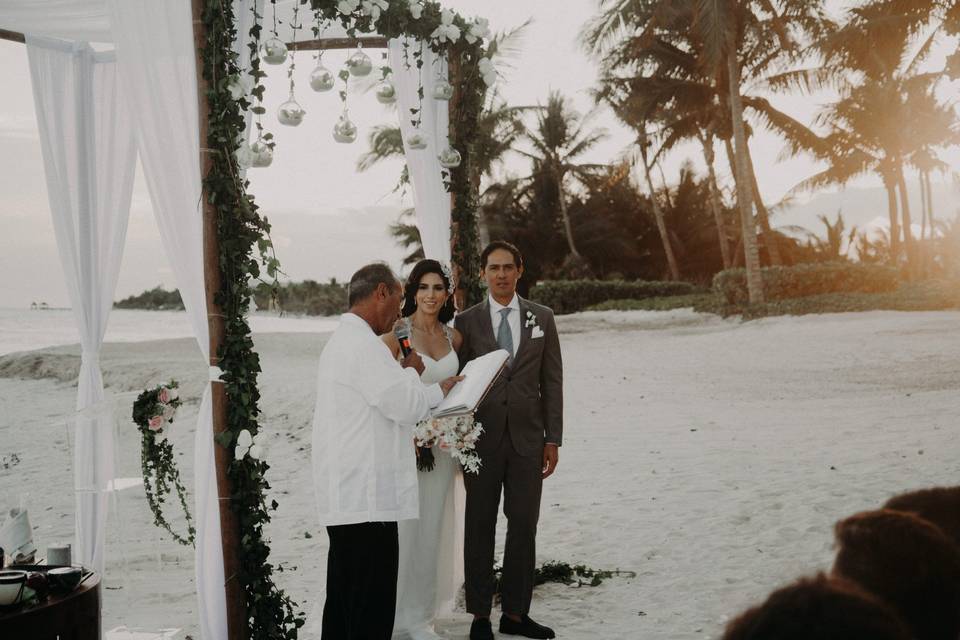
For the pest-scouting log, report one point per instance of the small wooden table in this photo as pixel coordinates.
(72, 616)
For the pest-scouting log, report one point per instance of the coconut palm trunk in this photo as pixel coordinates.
(744, 188)
(707, 142)
(893, 213)
(763, 216)
(908, 244)
(658, 215)
(564, 215)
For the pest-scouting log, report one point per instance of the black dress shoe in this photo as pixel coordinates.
(481, 629)
(526, 628)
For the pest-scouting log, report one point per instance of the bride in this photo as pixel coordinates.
(430, 574)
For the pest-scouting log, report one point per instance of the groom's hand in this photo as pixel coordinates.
(551, 456)
(449, 383)
(413, 360)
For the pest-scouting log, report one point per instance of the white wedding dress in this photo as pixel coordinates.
(431, 548)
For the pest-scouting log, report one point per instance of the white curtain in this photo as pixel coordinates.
(430, 198)
(157, 68)
(74, 20)
(86, 137)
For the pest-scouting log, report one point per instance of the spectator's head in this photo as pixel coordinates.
(375, 295)
(818, 608)
(939, 505)
(907, 562)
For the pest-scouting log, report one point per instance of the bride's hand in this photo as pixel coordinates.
(449, 383)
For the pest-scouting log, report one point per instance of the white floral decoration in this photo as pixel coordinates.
(488, 71)
(348, 7)
(479, 30)
(531, 320)
(448, 274)
(455, 435)
(447, 31)
(373, 8)
(416, 9)
(240, 85)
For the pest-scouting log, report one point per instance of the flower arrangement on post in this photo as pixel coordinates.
(152, 411)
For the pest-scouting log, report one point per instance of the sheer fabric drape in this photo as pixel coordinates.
(87, 143)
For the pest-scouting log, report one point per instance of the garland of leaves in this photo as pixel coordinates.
(241, 231)
(579, 575)
(270, 612)
(396, 21)
(151, 410)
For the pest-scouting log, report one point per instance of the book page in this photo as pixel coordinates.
(478, 375)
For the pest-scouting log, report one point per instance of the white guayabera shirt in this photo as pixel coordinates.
(364, 463)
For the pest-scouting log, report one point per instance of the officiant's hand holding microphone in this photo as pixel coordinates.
(412, 359)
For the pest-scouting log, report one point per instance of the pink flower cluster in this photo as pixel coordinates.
(168, 399)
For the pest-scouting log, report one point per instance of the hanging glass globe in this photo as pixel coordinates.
(274, 51)
(322, 79)
(359, 64)
(262, 154)
(442, 90)
(290, 113)
(386, 92)
(417, 140)
(449, 158)
(344, 131)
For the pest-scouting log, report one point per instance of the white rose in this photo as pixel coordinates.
(239, 452)
(172, 393)
(416, 9)
(244, 440)
(255, 452)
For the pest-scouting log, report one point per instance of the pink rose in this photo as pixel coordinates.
(155, 423)
(164, 395)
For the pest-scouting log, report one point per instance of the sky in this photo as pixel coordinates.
(327, 218)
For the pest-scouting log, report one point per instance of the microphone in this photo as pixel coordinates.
(403, 337)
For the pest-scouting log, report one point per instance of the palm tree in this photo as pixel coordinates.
(643, 143)
(559, 138)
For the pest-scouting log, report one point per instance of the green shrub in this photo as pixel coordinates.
(782, 283)
(570, 296)
(698, 301)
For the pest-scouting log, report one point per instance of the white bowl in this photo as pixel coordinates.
(12, 586)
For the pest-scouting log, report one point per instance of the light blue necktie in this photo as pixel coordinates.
(504, 335)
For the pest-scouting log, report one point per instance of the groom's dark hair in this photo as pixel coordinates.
(500, 244)
(366, 280)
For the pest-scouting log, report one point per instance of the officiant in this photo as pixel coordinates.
(364, 462)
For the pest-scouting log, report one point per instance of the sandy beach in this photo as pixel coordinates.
(709, 456)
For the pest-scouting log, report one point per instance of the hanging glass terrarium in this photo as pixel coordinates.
(274, 51)
(359, 64)
(449, 158)
(386, 92)
(344, 131)
(290, 112)
(321, 78)
(442, 90)
(417, 140)
(262, 154)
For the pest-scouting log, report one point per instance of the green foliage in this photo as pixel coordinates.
(156, 299)
(309, 297)
(563, 572)
(570, 296)
(930, 295)
(802, 280)
(158, 466)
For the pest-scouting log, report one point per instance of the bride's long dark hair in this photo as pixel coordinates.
(421, 269)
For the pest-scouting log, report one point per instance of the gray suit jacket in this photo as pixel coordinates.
(527, 400)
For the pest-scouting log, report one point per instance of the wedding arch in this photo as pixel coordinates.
(177, 84)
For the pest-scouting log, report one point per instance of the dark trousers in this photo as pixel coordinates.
(519, 478)
(361, 581)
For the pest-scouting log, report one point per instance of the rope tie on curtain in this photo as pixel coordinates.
(215, 373)
(90, 355)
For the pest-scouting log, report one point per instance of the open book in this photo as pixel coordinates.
(478, 376)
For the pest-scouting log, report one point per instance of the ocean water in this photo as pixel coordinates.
(26, 330)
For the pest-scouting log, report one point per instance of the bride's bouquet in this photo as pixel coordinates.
(457, 435)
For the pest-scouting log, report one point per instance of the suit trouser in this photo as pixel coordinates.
(520, 478)
(361, 581)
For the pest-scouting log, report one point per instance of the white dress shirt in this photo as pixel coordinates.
(513, 317)
(364, 463)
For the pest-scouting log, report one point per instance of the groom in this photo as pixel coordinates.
(522, 418)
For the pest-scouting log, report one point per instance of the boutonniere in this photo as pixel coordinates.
(536, 331)
(531, 320)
